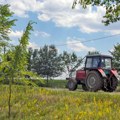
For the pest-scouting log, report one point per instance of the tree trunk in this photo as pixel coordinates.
(9, 98)
(47, 80)
(4, 50)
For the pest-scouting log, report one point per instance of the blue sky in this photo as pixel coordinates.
(58, 24)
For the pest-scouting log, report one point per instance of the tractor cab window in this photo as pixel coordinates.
(106, 63)
(89, 63)
(93, 62)
(96, 62)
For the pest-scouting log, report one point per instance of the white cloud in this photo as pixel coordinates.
(113, 32)
(33, 45)
(41, 34)
(43, 17)
(76, 45)
(22, 7)
(60, 12)
(15, 34)
(88, 20)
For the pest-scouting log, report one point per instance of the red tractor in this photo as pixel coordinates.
(97, 74)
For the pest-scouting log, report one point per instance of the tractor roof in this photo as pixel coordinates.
(99, 55)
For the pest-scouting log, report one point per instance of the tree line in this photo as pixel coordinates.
(48, 63)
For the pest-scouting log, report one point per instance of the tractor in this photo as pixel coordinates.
(97, 74)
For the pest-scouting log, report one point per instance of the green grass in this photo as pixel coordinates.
(56, 83)
(31, 103)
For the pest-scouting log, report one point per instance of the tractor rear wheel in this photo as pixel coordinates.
(72, 85)
(94, 81)
(112, 85)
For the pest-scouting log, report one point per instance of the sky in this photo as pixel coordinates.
(59, 24)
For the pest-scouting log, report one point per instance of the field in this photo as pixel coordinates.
(34, 103)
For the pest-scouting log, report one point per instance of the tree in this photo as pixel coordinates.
(5, 26)
(112, 8)
(71, 62)
(116, 56)
(47, 62)
(14, 63)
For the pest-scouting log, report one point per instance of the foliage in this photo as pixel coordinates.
(47, 62)
(5, 24)
(28, 104)
(116, 56)
(14, 62)
(112, 8)
(93, 53)
(71, 62)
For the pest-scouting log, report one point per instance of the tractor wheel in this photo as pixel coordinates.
(94, 81)
(112, 85)
(84, 87)
(72, 85)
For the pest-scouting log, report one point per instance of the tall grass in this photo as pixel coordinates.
(30, 103)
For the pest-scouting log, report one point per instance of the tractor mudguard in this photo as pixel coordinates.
(115, 73)
(102, 73)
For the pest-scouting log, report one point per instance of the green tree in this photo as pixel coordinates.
(14, 63)
(116, 56)
(112, 8)
(5, 26)
(47, 62)
(71, 62)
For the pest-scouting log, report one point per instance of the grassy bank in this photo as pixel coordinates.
(30, 103)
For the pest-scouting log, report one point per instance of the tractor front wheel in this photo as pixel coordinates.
(94, 81)
(72, 85)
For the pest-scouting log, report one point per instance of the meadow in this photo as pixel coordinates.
(34, 103)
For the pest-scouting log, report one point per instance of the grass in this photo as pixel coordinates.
(50, 84)
(56, 83)
(33, 103)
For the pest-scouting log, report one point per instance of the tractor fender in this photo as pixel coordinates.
(115, 73)
(102, 73)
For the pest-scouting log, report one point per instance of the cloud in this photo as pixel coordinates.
(43, 17)
(77, 46)
(22, 7)
(60, 12)
(33, 45)
(41, 34)
(113, 32)
(15, 34)
(86, 20)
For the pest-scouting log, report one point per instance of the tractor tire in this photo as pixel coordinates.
(72, 85)
(84, 87)
(112, 86)
(94, 81)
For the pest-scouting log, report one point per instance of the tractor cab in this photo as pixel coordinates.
(98, 61)
(97, 74)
